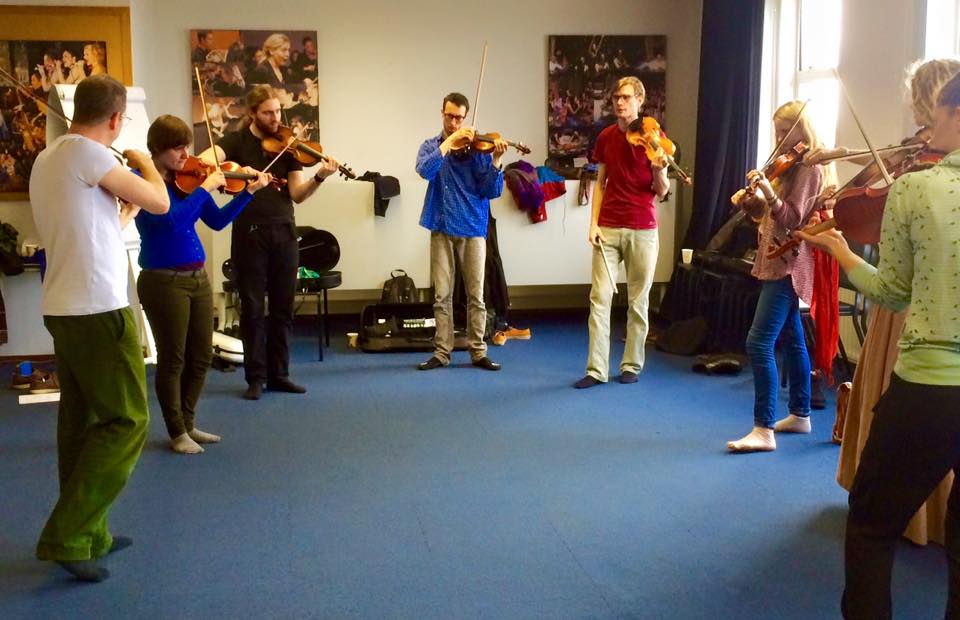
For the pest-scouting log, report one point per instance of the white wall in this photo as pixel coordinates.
(880, 39)
(384, 68)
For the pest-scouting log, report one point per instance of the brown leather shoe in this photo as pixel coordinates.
(43, 382)
(486, 363)
(517, 334)
(20, 382)
(430, 364)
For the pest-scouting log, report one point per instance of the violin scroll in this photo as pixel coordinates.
(646, 133)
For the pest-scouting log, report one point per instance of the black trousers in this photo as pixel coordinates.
(266, 258)
(913, 443)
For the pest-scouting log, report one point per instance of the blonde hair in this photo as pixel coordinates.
(925, 79)
(638, 88)
(790, 112)
(274, 42)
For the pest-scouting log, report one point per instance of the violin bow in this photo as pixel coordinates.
(206, 118)
(786, 135)
(22, 87)
(606, 265)
(476, 100)
(876, 156)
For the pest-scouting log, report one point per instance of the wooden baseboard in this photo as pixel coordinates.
(26, 358)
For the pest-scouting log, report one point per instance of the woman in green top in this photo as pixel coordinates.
(915, 437)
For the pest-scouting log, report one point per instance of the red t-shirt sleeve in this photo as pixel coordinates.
(598, 149)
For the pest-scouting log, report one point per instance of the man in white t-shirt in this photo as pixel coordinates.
(102, 419)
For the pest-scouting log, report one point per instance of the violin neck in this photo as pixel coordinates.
(311, 151)
(246, 176)
(684, 177)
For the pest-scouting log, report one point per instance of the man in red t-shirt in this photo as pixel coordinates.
(623, 226)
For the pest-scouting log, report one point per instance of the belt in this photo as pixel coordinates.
(195, 273)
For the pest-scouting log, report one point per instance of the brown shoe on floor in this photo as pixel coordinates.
(486, 363)
(20, 382)
(513, 333)
(43, 382)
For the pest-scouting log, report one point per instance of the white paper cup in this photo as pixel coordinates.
(352, 339)
(687, 254)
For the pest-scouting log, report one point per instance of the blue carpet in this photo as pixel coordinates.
(458, 493)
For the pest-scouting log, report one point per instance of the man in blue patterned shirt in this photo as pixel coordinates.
(456, 209)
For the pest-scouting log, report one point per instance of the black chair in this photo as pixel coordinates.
(319, 252)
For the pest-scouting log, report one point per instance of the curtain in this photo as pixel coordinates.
(731, 47)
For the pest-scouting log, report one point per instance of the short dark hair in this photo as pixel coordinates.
(202, 34)
(307, 38)
(456, 99)
(97, 98)
(950, 93)
(168, 132)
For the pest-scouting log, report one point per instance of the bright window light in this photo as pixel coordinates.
(820, 28)
(943, 29)
(824, 96)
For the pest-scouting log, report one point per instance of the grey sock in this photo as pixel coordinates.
(85, 570)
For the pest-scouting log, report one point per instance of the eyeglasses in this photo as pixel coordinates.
(126, 119)
(454, 117)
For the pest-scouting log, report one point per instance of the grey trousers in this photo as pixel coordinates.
(471, 253)
(638, 250)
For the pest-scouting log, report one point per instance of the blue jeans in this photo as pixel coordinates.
(778, 315)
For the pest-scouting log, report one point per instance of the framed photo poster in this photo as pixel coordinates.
(41, 47)
(582, 73)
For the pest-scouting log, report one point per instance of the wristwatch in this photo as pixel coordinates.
(319, 179)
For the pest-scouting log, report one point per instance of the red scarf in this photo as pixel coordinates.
(825, 311)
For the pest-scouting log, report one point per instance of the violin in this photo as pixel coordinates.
(195, 171)
(773, 169)
(645, 133)
(306, 152)
(486, 143)
(858, 208)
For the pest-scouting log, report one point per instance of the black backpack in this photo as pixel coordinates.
(399, 289)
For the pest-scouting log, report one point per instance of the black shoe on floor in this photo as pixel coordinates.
(430, 364)
(628, 376)
(284, 384)
(85, 570)
(254, 391)
(120, 542)
(486, 363)
(817, 399)
(587, 382)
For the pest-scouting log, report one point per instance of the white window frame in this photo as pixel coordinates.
(942, 28)
(781, 76)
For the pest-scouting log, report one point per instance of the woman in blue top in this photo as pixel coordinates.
(173, 286)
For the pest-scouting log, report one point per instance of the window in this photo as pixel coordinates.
(943, 28)
(800, 57)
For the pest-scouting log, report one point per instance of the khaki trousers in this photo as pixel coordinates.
(471, 253)
(638, 250)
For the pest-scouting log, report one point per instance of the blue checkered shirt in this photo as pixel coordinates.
(457, 201)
